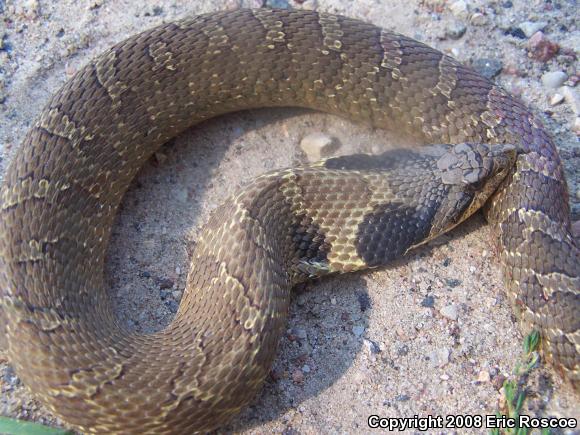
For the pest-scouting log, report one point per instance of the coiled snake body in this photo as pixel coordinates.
(63, 187)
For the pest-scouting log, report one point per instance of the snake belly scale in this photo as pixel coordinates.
(63, 187)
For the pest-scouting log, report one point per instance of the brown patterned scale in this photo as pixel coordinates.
(63, 187)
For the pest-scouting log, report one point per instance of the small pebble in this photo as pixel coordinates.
(95, 4)
(529, 27)
(316, 145)
(450, 311)
(444, 377)
(358, 330)
(453, 282)
(402, 398)
(516, 32)
(554, 79)
(372, 346)
(428, 302)
(487, 67)
(306, 368)
(455, 30)
(460, 9)
(541, 48)
(478, 19)
(556, 99)
(484, 376)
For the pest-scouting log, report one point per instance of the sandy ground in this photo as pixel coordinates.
(432, 334)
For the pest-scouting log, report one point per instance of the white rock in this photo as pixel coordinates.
(530, 27)
(554, 79)
(556, 99)
(315, 145)
(460, 9)
(478, 19)
(450, 311)
(484, 376)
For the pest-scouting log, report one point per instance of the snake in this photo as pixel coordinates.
(63, 186)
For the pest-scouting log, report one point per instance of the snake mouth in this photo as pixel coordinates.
(473, 172)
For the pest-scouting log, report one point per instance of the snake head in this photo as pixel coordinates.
(472, 172)
(476, 165)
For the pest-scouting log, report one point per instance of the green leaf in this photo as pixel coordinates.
(532, 342)
(10, 426)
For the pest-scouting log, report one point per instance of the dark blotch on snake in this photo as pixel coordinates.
(390, 229)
